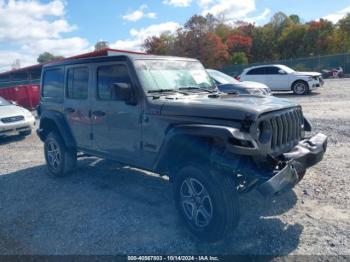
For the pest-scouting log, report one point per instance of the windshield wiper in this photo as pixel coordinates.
(160, 91)
(197, 88)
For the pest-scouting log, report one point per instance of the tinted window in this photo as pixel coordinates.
(109, 75)
(257, 71)
(77, 83)
(53, 83)
(271, 70)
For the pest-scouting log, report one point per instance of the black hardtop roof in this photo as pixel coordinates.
(113, 58)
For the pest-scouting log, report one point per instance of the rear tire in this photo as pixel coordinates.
(207, 202)
(300, 88)
(59, 159)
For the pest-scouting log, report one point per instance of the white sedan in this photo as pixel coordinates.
(15, 119)
(283, 78)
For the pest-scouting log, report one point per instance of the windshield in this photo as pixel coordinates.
(221, 78)
(286, 69)
(173, 75)
(4, 102)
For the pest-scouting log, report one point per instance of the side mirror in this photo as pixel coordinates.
(123, 92)
(282, 72)
(14, 103)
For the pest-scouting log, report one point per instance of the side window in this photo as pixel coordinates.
(77, 83)
(257, 71)
(53, 83)
(109, 75)
(272, 70)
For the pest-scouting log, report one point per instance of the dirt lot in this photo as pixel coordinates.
(104, 208)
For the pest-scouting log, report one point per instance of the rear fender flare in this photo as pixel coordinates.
(61, 125)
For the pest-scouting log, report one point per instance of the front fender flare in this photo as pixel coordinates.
(224, 134)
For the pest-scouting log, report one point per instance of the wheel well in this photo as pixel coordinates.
(185, 148)
(48, 125)
(299, 80)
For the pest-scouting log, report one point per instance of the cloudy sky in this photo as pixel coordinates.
(70, 27)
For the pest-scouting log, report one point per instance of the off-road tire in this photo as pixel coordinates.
(67, 158)
(224, 198)
(300, 88)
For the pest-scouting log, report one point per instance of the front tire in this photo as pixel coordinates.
(59, 159)
(207, 202)
(300, 88)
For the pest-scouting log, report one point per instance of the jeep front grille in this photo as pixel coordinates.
(12, 119)
(286, 129)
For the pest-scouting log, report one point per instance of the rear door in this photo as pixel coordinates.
(115, 124)
(77, 103)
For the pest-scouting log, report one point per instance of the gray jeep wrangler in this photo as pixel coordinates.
(165, 115)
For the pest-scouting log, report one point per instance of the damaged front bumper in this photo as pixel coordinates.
(306, 154)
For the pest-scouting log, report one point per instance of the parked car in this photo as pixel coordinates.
(333, 73)
(165, 115)
(228, 84)
(283, 78)
(14, 119)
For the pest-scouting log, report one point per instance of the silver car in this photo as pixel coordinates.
(14, 119)
(228, 84)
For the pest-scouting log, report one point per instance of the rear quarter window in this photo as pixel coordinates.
(53, 82)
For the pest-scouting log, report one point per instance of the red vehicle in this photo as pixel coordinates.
(22, 86)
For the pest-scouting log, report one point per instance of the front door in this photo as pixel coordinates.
(115, 125)
(77, 103)
(276, 79)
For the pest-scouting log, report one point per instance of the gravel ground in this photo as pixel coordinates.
(104, 208)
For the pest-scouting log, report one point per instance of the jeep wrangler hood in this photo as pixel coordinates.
(224, 106)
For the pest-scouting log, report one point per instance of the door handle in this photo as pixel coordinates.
(98, 113)
(69, 110)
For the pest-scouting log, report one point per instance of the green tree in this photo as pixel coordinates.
(291, 41)
(317, 39)
(162, 45)
(223, 31)
(239, 58)
(295, 19)
(342, 35)
(100, 45)
(47, 57)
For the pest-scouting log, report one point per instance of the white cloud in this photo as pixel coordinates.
(63, 47)
(203, 4)
(8, 57)
(229, 9)
(139, 14)
(139, 36)
(30, 20)
(335, 17)
(263, 16)
(178, 3)
(29, 27)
